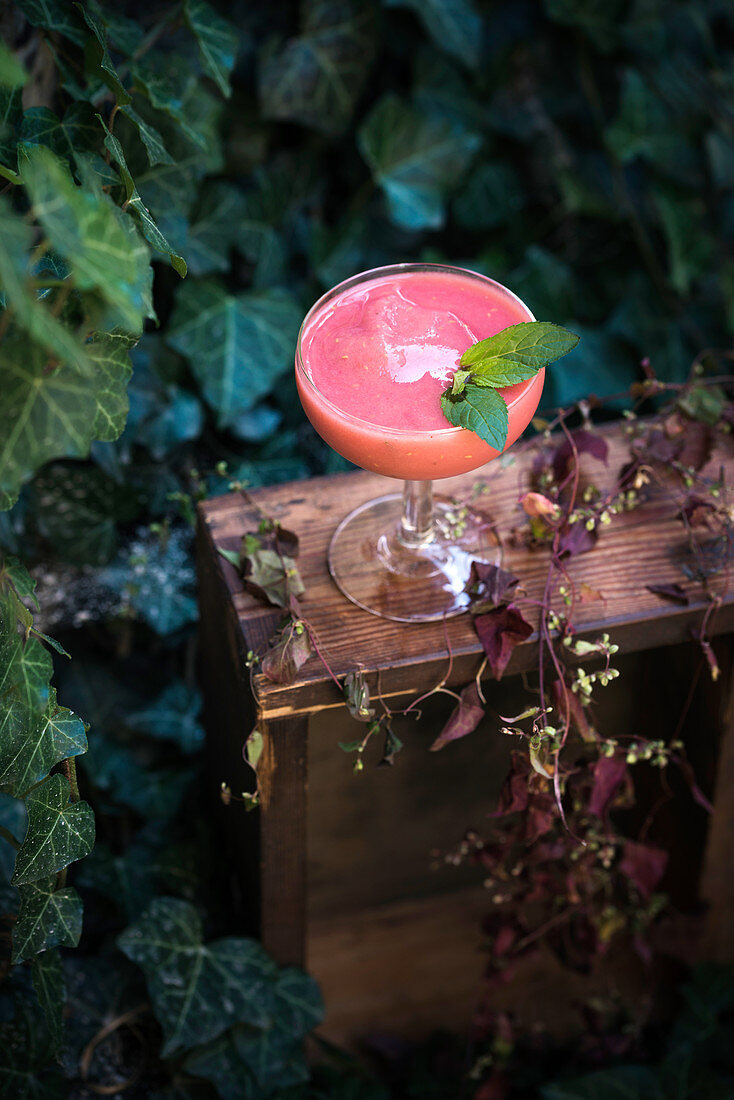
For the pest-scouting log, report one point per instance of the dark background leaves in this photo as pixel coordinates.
(582, 153)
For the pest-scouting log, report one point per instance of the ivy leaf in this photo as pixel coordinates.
(113, 371)
(198, 990)
(54, 15)
(98, 57)
(77, 132)
(416, 158)
(479, 409)
(297, 1006)
(32, 314)
(11, 571)
(218, 41)
(47, 918)
(88, 230)
(645, 128)
(454, 25)
(517, 353)
(464, 718)
(12, 73)
(690, 245)
(59, 832)
(151, 232)
(238, 345)
(246, 1063)
(172, 716)
(151, 139)
(285, 658)
(48, 982)
(11, 113)
(317, 77)
(215, 227)
(27, 1058)
(77, 510)
(499, 632)
(30, 745)
(25, 668)
(168, 80)
(49, 413)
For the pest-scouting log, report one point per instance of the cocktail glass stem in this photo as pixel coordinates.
(417, 523)
(408, 556)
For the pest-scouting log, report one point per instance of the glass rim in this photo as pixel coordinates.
(380, 272)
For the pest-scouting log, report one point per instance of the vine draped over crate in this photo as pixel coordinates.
(580, 154)
(557, 865)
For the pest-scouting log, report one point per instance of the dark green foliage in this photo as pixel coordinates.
(579, 152)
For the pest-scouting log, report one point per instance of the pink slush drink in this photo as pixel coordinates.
(375, 354)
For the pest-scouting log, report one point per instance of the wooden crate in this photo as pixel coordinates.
(335, 872)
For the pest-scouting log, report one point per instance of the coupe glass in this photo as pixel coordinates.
(407, 556)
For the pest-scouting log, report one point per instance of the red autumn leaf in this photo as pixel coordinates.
(585, 443)
(575, 539)
(464, 718)
(535, 504)
(499, 632)
(672, 592)
(609, 775)
(657, 447)
(587, 594)
(540, 817)
(643, 865)
(489, 586)
(514, 795)
(290, 651)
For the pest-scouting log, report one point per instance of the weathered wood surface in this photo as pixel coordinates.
(642, 547)
(717, 878)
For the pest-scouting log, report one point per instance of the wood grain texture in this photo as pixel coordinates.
(642, 547)
(717, 878)
(282, 781)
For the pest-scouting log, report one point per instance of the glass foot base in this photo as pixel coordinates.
(424, 583)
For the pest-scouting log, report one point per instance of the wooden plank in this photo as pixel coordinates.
(646, 546)
(282, 781)
(229, 715)
(717, 879)
(413, 967)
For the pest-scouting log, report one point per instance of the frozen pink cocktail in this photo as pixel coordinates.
(375, 354)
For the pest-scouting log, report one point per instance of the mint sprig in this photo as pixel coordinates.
(514, 355)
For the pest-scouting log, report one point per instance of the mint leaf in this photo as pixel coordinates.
(517, 353)
(481, 410)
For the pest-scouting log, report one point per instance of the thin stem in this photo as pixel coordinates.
(7, 835)
(416, 526)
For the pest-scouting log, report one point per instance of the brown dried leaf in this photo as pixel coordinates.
(499, 631)
(672, 592)
(464, 718)
(288, 654)
(535, 504)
